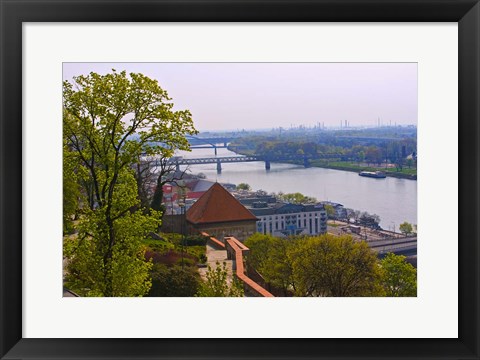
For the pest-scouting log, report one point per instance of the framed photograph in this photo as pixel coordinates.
(284, 104)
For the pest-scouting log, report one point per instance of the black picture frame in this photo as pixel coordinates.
(14, 12)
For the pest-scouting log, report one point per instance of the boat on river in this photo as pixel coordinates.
(373, 174)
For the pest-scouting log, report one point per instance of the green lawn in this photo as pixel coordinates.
(351, 166)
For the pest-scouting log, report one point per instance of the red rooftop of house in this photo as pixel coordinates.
(218, 205)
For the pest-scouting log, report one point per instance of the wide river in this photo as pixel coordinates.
(394, 200)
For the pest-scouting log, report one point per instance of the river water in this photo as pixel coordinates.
(394, 200)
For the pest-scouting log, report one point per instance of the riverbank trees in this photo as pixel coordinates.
(369, 149)
(406, 228)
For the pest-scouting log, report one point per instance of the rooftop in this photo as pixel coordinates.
(283, 208)
(218, 205)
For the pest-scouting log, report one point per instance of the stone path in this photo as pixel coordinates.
(214, 255)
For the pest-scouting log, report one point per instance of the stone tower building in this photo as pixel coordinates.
(219, 214)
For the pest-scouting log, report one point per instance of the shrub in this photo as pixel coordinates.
(174, 281)
(170, 257)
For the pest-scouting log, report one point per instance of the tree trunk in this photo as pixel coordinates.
(158, 196)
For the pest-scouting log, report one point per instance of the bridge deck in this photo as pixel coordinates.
(242, 158)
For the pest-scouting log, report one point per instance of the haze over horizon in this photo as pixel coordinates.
(236, 96)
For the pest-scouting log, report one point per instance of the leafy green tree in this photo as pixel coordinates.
(217, 285)
(110, 122)
(399, 161)
(399, 278)
(406, 228)
(71, 190)
(260, 246)
(243, 186)
(369, 220)
(351, 214)
(330, 211)
(327, 265)
(128, 273)
(174, 281)
(373, 155)
(361, 156)
(297, 198)
(269, 256)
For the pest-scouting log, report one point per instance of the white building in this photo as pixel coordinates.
(283, 219)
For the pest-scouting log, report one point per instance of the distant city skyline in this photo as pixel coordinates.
(236, 96)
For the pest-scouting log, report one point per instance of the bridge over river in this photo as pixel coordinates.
(178, 160)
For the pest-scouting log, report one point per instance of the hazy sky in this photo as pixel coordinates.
(265, 95)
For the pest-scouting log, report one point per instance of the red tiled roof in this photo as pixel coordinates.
(218, 205)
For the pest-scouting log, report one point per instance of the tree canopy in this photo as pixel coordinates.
(406, 228)
(269, 256)
(324, 265)
(335, 266)
(243, 186)
(399, 277)
(330, 211)
(109, 123)
(174, 281)
(296, 198)
(217, 284)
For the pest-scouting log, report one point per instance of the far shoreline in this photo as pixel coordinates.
(395, 174)
(387, 173)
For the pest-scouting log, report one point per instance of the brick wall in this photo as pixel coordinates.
(241, 230)
(236, 250)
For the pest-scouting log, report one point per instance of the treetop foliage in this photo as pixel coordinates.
(406, 228)
(109, 123)
(399, 277)
(296, 198)
(217, 285)
(328, 265)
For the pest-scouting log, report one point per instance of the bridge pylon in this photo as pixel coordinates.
(306, 162)
(219, 166)
(267, 164)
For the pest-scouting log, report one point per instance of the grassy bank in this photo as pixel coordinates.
(405, 173)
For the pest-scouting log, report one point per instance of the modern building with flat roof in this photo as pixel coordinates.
(285, 219)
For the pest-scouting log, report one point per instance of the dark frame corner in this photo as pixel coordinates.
(13, 13)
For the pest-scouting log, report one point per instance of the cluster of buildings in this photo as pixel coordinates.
(200, 205)
(185, 192)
